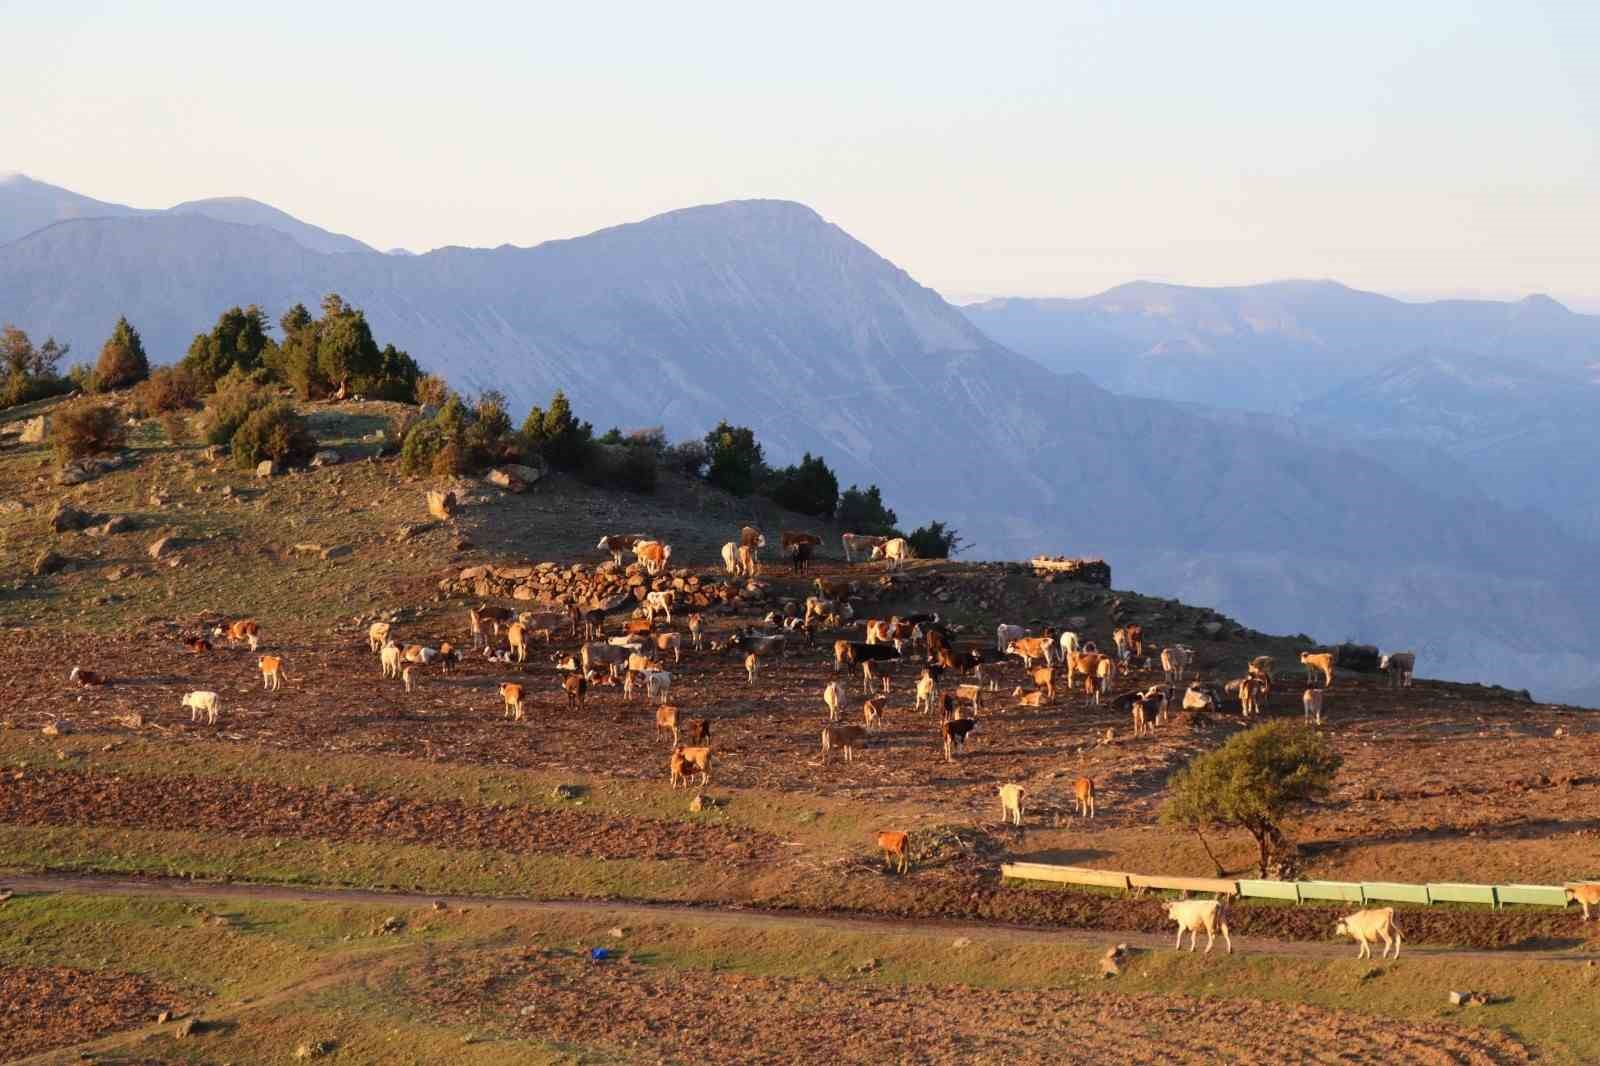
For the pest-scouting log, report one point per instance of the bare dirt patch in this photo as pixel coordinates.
(50, 1007)
(259, 809)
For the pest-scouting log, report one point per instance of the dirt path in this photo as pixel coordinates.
(172, 888)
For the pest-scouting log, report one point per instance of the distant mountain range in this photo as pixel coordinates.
(1483, 396)
(27, 205)
(766, 314)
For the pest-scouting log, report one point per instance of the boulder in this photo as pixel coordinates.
(338, 551)
(119, 524)
(35, 430)
(267, 468)
(49, 562)
(66, 518)
(441, 504)
(527, 474)
(165, 546)
(506, 480)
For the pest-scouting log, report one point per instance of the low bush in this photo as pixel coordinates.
(631, 468)
(275, 432)
(170, 388)
(238, 396)
(85, 430)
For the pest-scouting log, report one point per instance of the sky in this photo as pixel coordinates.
(1054, 148)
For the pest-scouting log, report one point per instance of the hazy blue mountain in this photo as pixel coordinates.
(249, 212)
(27, 205)
(764, 313)
(1271, 347)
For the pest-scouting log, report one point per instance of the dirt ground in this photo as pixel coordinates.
(673, 1017)
(49, 1007)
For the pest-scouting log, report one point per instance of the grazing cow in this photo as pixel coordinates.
(511, 696)
(927, 688)
(667, 718)
(831, 696)
(652, 555)
(377, 635)
(895, 552)
(576, 687)
(205, 703)
(389, 659)
(833, 590)
(1398, 665)
(699, 729)
(688, 763)
(1030, 648)
(245, 630)
(1320, 662)
(1586, 894)
(659, 601)
(848, 653)
(1083, 794)
(776, 644)
(666, 642)
(1175, 662)
(857, 543)
(1193, 915)
(871, 715)
(895, 847)
(619, 543)
(517, 638)
(847, 737)
(611, 656)
(697, 633)
(1084, 663)
(657, 683)
(955, 733)
(1313, 705)
(1011, 799)
(495, 616)
(1366, 926)
(272, 676)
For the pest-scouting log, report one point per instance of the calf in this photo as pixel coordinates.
(955, 733)
(1141, 721)
(1083, 794)
(1193, 915)
(973, 693)
(576, 687)
(657, 683)
(730, 559)
(1106, 679)
(1135, 640)
(1367, 926)
(697, 633)
(619, 543)
(271, 672)
(659, 601)
(1005, 635)
(1044, 679)
(406, 676)
(1011, 798)
(847, 737)
(666, 642)
(203, 703)
(1585, 894)
(831, 696)
(652, 555)
(896, 848)
(1319, 662)
(871, 714)
(1252, 696)
(1313, 705)
(377, 635)
(1028, 699)
(687, 763)
(667, 718)
(389, 660)
(927, 688)
(1030, 648)
(699, 729)
(511, 696)
(752, 663)
(245, 630)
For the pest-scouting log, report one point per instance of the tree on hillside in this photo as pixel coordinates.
(934, 541)
(1252, 783)
(862, 511)
(30, 372)
(556, 435)
(320, 354)
(239, 339)
(735, 462)
(808, 488)
(122, 360)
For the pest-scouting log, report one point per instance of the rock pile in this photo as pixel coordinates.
(606, 585)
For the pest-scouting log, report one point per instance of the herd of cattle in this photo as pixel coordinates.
(955, 679)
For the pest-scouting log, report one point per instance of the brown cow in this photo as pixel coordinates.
(896, 850)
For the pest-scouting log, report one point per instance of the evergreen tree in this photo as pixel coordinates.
(122, 359)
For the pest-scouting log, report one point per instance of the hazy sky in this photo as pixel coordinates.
(1055, 147)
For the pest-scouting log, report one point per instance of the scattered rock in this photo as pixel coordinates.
(566, 792)
(1469, 999)
(338, 551)
(392, 924)
(35, 430)
(616, 932)
(326, 457)
(159, 499)
(267, 468)
(58, 728)
(164, 547)
(186, 1028)
(439, 905)
(49, 562)
(67, 518)
(314, 1050)
(81, 470)
(506, 480)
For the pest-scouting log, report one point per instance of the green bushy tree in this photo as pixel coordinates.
(808, 487)
(557, 435)
(238, 341)
(735, 462)
(122, 359)
(862, 511)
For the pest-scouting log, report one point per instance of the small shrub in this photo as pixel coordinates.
(171, 388)
(689, 458)
(934, 541)
(26, 388)
(238, 396)
(86, 430)
(420, 445)
(175, 424)
(275, 432)
(432, 390)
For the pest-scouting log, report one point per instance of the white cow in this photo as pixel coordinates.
(1193, 915)
(1369, 925)
(205, 703)
(730, 558)
(896, 551)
